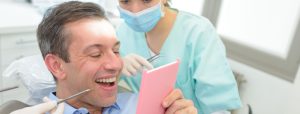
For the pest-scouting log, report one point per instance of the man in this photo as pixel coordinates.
(80, 49)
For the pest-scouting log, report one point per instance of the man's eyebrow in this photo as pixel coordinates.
(92, 46)
(117, 44)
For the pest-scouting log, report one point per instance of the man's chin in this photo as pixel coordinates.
(108, 101)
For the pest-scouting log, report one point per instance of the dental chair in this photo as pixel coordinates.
(11, 106)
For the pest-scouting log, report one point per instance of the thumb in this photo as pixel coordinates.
(59, 109)
(56, 110)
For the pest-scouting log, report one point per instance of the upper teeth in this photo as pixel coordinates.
(106, 80)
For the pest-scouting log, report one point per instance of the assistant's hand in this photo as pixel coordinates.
(133, 63)
(175, 103)
(47, 106)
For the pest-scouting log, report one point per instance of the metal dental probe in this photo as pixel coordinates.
(72, 96)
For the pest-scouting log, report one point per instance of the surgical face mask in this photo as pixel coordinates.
(142, 21)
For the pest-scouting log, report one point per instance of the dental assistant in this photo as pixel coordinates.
(151, 27)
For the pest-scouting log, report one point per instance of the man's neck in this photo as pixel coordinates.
(76, 103)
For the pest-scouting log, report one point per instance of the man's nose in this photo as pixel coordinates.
(113, 62)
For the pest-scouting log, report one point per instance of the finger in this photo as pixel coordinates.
(187, 110)
(46, 99)
(172, 97)
(131, 69)
(179, 105)
(144, 62)
(125, 72)
(54, 109)
(59, 109)
(134, 62)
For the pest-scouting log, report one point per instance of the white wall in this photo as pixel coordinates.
(256, 23)
(293, 106)
(192, 6)
(268, 94)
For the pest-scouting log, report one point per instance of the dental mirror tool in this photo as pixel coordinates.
(151, 59)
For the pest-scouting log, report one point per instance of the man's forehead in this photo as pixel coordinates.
(90, 28)
(96, 26)
(92, 33)
(99, 45)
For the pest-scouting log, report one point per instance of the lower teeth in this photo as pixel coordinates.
(107, 84)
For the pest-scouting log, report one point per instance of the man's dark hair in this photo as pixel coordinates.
(51, 34)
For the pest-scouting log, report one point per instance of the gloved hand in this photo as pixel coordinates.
(133, 63)
(47, 106)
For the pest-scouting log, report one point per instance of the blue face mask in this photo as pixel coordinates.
(142, 21)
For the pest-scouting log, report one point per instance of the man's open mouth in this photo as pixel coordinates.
(106, 82)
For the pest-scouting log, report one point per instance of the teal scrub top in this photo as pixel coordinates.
(204, 74)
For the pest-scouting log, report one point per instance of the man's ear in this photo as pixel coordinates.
(55, 66)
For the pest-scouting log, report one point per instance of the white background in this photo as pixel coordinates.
(262, 24)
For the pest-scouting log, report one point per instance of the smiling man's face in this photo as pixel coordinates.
(95, 63)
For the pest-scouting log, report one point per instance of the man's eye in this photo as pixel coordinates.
(147, 1)
(124, 1)
(116, 52)
(95, 55)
